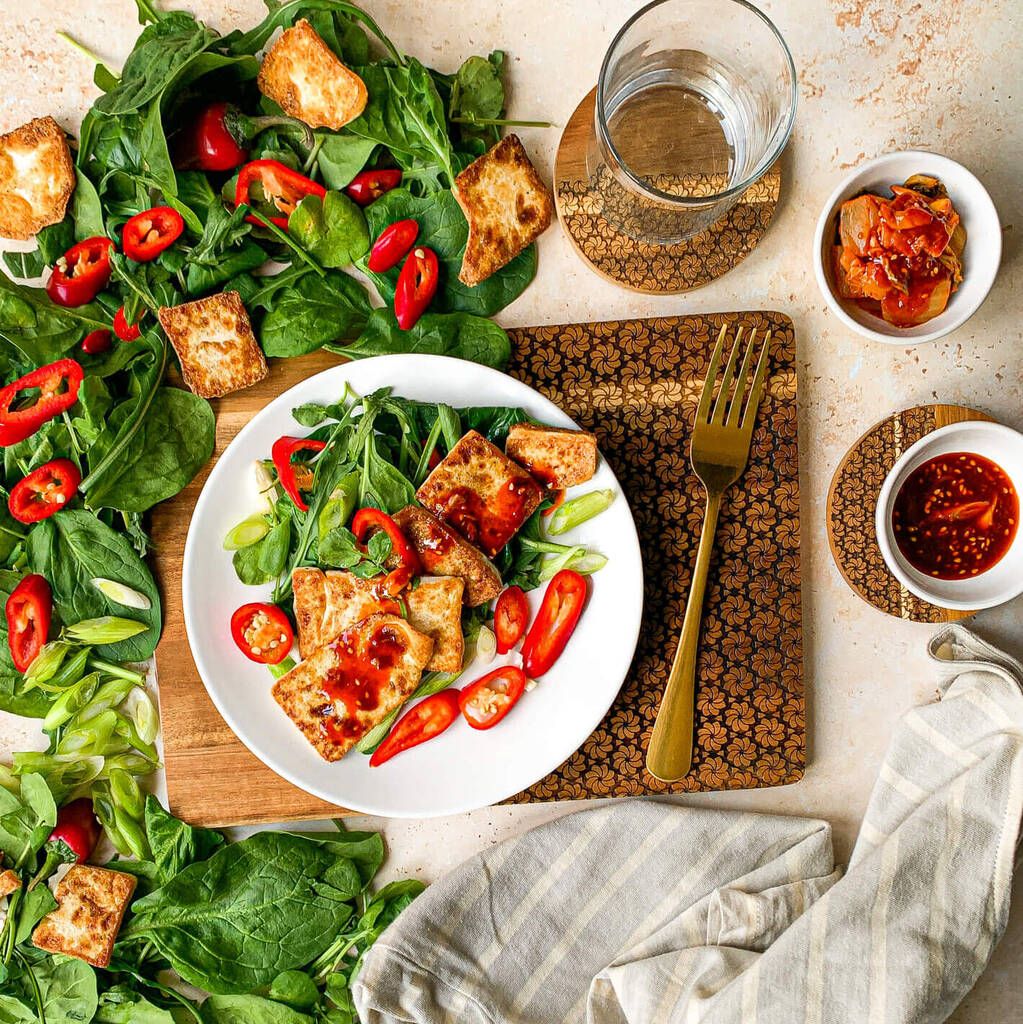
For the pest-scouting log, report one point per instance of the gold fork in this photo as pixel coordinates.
(719, 452)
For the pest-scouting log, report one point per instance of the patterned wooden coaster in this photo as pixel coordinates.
(852, 500)
(643, 267)
(636, 384)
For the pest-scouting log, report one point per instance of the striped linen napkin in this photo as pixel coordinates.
(646, 912)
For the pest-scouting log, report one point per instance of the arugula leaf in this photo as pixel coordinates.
(70, 549)
(173, 443)
(443, 228)
(333, 229)
(235, 921)
(461, 335)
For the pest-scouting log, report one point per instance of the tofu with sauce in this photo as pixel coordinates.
(556, 456)
(444, 553)
(37, 177)
(328, 602)
(215, 344)
(351, 684)
(478, 491)
(91, 902)
(305, 78)
(507, 206)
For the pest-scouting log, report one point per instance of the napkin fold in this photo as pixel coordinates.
(646, 912)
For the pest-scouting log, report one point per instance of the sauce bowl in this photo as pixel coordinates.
(1004, 580)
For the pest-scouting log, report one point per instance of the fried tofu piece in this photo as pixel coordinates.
(327, 603)
(91, 903)
(353, 682)
(507, 206)
(9, 882)
(215, 344)
(481, 493)
(444, 553)
(37, 177)
(555, 456)
(304, 77)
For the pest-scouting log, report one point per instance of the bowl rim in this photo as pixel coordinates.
(830, 208)
(886, 501)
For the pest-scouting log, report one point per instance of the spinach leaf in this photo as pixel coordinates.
(34, 906)
(41, 331)
(333, 229)
(175, 845)
(477, 95)
(284, 15)
(122, 1005)
(306, 314)
(205, 277)
(159, 52)
(404, 112)
(172, 444)
(70, 549)
(461, 335)
(68, 990)
(233, 922)
(246, 565)
(341, 157)
(443, 228)
(26, 820)
(248, 1009)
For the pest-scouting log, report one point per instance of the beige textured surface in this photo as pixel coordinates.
(875, 75)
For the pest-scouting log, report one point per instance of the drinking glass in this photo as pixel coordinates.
(694, 104)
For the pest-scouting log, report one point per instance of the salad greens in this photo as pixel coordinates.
(276, 926)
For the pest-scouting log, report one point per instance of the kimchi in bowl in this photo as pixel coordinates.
(964, 274)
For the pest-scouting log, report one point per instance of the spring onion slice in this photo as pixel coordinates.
(577, 511)
(121, 594)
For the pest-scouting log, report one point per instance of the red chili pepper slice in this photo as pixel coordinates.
(262, 632)
(555, 621)
(485, 702)
(147, 234)
(369, 519)
(96, 342)
(81, 273)
(280, 185)
(28, 619)
(394, 243)
(427, 719)
(44, 491)
(368, 186)
(281, 453)
(511, 617)
(417, 285)
(17, 424)
(124, 330)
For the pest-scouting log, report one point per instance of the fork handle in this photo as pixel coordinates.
(669, 754)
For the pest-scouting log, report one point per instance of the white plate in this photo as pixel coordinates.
(464, 768)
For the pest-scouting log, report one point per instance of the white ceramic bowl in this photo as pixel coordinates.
(980, 258)
(1004, 580)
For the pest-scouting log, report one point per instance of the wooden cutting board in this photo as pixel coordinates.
(636, 383)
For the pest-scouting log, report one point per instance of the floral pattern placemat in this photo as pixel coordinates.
(636, 385)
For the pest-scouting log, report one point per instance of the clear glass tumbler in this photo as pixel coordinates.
(695, 102)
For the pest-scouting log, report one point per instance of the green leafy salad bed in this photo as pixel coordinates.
(92, 437)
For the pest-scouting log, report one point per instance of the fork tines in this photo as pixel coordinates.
(735, 413)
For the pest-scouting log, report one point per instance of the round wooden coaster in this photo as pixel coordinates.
(852, 500)
(641, 266)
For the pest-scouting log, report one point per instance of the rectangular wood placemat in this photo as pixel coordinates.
(636, 384)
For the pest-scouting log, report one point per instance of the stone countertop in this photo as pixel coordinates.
(875, 75)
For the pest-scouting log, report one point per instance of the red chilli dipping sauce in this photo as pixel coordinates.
(955, 516)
